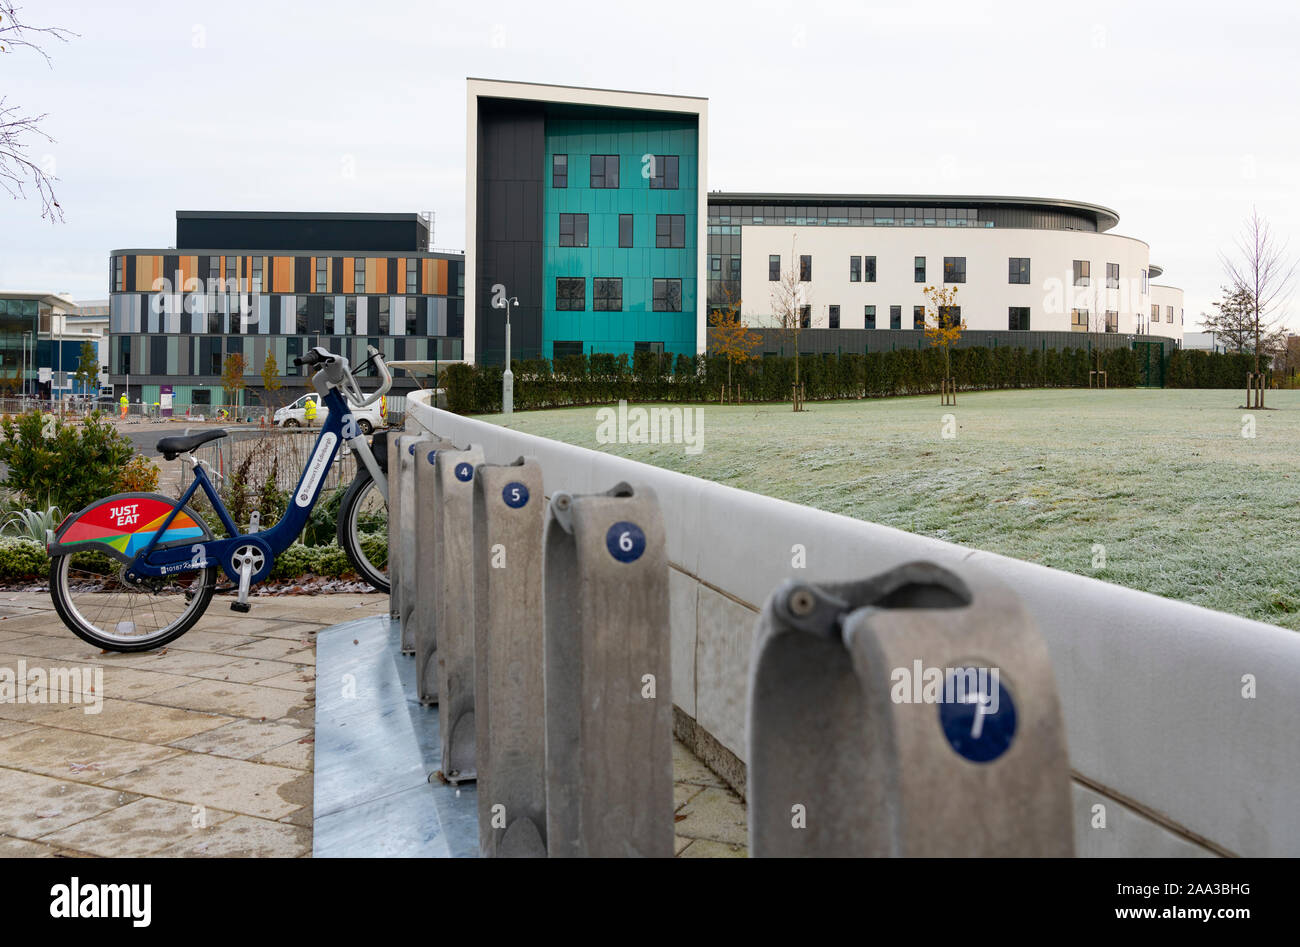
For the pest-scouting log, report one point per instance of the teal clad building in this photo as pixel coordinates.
(630, 233)
(586, 212)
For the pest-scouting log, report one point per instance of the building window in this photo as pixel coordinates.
(412, 276)
(805, 268)
(256, 279)
(652, 348)
(608, 294)
(918, 270)
(670, 230)
(559, 170)
(604, 171)
(625, 230)
(833, 315)
(1155, 313)
(715, 264)
(382, 327)
(1018, 270)
(805, 317)
(411, 317)
(1112, 320)
(774, 268)
(359, 275)
(300, 316)
(573, 230)
(1112, 276)
(868, 269)
(570, 294)
(1145, 288)
(1078, 320)
(663, 175)
(1169, 314)
(350, 315)
(895, 317)
(868, 317)
(667, 295)
(565, 349)
(918, 317)
(949, 316)
(1018, 318)
(1082, 272)
(855, 269)
(214, 322)
(954, 269)
(232, 267)
(118, 275)
(214, 268)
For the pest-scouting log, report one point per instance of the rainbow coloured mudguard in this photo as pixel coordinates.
(124, 525)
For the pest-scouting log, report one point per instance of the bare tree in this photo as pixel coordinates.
(789, 303)
(1261, 268)
(17, 129)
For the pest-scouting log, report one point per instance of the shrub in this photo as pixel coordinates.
(50, 462)
(140, 475)
(23, 559)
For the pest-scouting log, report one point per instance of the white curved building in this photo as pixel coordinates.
(1018, 263)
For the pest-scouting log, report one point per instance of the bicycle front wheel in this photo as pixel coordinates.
(101, 606)
(363, 530)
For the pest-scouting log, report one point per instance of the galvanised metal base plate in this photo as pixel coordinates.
(376, 748)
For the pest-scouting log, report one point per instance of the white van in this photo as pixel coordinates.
(295, 415)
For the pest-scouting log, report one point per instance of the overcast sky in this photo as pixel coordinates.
(1178, 116)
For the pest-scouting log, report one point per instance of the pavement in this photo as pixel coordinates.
(206, 748)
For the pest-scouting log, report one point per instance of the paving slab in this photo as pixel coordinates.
(216, 782)
(138, 828)
(36, 806)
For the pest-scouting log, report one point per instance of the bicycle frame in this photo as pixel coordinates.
(154, 560)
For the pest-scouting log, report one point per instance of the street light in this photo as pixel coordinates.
(501, 301)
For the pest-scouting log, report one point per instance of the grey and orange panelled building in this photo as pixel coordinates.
(176, 315)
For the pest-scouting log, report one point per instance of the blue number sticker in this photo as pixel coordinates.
(625, 541)
(433, 456)
(979, 724)
(410, 449)
(515, 494)
(464, 472)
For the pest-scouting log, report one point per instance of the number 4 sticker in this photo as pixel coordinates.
(625, 541)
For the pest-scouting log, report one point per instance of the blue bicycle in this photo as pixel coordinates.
(134, 571)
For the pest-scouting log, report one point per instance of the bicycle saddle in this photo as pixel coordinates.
(170, 447)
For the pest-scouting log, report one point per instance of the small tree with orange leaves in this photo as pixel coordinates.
(943, 327)
(730, 337)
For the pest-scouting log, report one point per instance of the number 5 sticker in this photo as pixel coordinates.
(625, 541)
(515, 494)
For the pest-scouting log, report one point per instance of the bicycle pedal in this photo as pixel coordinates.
(241, 607)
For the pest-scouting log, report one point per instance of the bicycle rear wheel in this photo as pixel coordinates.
(363, 530)
(101, 606)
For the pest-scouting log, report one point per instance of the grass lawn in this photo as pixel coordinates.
(1184, 505)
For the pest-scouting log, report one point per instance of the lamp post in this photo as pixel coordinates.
(501, 301)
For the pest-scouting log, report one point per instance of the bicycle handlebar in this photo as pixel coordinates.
(384, 374)
(340, 375)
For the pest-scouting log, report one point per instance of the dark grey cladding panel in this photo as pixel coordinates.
(511, 181)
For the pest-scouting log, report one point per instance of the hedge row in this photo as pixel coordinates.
(1209, 369)
(25, 559)
(603, 379)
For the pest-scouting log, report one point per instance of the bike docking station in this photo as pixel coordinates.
(453, 593)
(609, 778)
(420, 625)
(401, 503)
(910, 714)
(509, 699)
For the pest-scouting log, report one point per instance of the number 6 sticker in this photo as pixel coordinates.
(625, 541)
